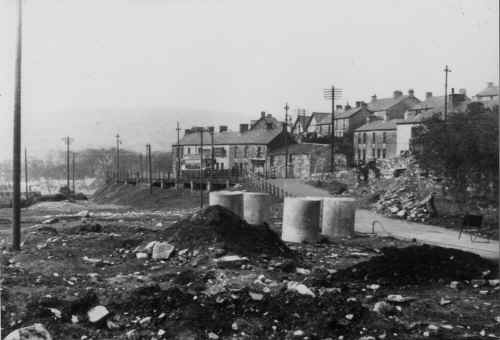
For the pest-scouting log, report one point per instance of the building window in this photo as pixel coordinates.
(383, 153)
(373, 137)
(373, 152)
(235, 151)
(259, 151)
(364, 155)
(188, 151)
(359, 153)
(359, 138)
(245, 152)
(364, 137)
(384, 137)
(378, 153)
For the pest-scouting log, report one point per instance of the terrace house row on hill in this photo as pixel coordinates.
(245, 150)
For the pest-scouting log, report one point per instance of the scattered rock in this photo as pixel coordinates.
(383, 308)
(231, 261)
(299, 288)
(34, 332)
(97, 314)
(399, 298)
(162, 250)
(142, 255)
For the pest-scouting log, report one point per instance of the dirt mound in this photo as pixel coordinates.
(419, 264)
(216, 226)
(139, 196)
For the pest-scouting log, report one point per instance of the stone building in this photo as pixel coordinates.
(490, 93)
(303, 160)
(393, 107)
(241, 151)
(376, 140)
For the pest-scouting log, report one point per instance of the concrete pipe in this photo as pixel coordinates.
(301, 219)
(337, 218)
(256, 207)
(232, 200)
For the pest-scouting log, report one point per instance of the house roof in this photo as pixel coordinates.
(491, 90)
(326, 118)
(255, 136)
(380, 125)
(429, 103)
(383, 104)
(318, 116)
(303, 148)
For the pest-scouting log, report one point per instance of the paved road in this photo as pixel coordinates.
(400, 229)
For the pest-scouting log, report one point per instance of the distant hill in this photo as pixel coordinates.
(42, 133)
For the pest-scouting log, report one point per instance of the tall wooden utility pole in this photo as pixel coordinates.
(16, 166)
(212, 161)
(73, 172)
(117, 157)
(141, 169)
(201, 168)
(150, 169)
(67, 140)
(26, 185)
(285, 128)
(178, 165)
(446, 71)
(332, 94)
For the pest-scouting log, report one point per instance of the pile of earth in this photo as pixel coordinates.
(216, 226)
(419, 265)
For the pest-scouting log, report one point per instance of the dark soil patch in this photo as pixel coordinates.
(419, 265)
(218, 226)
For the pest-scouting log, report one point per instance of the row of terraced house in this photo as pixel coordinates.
(380, 128)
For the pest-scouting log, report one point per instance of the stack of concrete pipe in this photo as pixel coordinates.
(305, 219)
(251, 206)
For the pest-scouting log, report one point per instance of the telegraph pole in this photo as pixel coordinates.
(212, 161)
(286, 139)
(141, 170)
(446, 71)
(201, 168)
(16, 166)
(73, 173)
(26, 172)
(332, 94)
(117, 157)
(67, 140)
(150, 169)
(178, 165)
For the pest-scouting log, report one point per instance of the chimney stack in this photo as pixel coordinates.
(462, 91)
(411, 93)
(210, 129)
(262, 114)
(358, 104)
(347, 107)
(397, 94)
(338, 107)
(490, 84)
(187, 132)
(428, 95)
(374, 98)
(364, 105)
(223, 128)
(243, 128)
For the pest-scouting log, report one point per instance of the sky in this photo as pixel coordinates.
(94, 68)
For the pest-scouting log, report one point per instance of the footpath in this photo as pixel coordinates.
(368, 222)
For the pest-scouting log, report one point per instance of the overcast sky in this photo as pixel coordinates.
(108, 62)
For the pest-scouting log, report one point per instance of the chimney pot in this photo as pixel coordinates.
(397, 94)
(374, 98)
(428, 95)
(223, 128)
(243, 128)
(358, 104)
(364, 105)
(338, 107)
(411, 93)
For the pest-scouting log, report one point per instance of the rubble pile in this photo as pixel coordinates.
(219, 227)
(418, 265)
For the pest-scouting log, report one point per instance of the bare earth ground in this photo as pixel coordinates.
(74, 263)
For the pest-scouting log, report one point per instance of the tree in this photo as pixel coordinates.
(463, 150)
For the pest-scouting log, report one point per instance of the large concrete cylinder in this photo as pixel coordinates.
(337, 218)
(301, 219)
(256, 207)
(232, 200)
